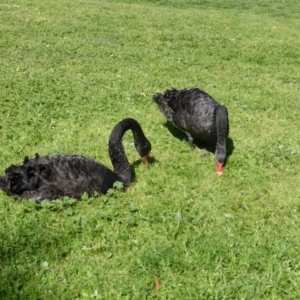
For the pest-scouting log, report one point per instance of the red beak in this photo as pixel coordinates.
(219, 168)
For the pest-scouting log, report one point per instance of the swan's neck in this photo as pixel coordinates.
(116, 149)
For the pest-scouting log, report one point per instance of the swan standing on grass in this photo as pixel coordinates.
(198, 115)
(53, 177)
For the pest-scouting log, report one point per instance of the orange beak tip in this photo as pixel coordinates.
(146, 160)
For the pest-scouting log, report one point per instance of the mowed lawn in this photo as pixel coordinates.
(70, 70)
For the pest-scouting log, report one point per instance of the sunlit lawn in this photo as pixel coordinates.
(70, 70)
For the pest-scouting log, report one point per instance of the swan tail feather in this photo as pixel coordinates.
(162, 103)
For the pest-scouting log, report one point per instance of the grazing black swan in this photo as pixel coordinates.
(53, 177)
(198, 115)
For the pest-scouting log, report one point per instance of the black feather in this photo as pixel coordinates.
(198, 115)
(53, 177)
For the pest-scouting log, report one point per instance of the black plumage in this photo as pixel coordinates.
(198, 115)
(53, 177)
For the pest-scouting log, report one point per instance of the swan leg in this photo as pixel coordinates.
(222, 126)
(190, 140)
(180, 123)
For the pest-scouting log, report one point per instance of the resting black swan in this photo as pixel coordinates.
(53, 177)
(198, 115)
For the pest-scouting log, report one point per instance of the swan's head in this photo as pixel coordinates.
(143, 147)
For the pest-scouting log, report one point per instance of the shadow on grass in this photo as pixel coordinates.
(198, 143)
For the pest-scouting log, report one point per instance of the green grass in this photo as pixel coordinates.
(70, 70)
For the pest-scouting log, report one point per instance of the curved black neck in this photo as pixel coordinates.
(116, 149)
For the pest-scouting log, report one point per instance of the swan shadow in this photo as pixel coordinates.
(199, 143)
(152, 160)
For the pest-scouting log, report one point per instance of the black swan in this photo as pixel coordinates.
(198, 115)
(53, 177)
